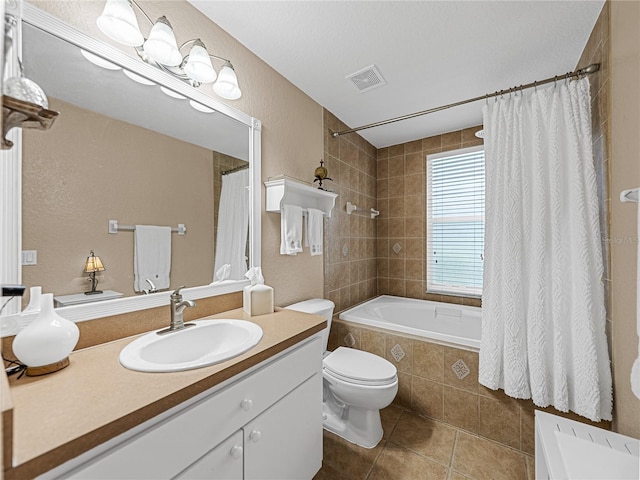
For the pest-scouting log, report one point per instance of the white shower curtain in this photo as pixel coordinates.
(233, 226)
(543, 312)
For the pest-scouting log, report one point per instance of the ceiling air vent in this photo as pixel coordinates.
(366, 79)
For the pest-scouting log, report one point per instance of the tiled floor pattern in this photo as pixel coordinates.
(415, 447)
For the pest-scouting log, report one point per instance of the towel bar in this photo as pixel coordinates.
(629, 195)
(115, 228)
(354, 208)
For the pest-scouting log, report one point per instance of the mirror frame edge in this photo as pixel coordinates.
(11, 180)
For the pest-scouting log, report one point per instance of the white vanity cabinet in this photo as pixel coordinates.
(267, 424)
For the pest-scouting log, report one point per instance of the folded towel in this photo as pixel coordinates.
(313, 237)
(290, 230)
(635, 369)
(152, 256)
(223, 273)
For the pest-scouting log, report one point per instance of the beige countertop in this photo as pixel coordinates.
(57, 417)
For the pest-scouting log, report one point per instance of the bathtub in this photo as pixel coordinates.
(445, 323)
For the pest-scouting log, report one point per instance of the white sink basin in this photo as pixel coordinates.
(205, 343)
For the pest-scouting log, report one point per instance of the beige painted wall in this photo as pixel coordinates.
(292, 140)
(88, 169)
(625, 173)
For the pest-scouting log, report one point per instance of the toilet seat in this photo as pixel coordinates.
(359, 367)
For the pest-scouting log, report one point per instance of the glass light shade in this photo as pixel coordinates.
(26, 90)
(93, 264)
(227, 84)
(199, 66)
(200, 107)
(50, 338)
(99, 61)
(161, 45)
(118, 22)
(137, 78)
(171, 93)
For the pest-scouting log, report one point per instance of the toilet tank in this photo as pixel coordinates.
(317, 306)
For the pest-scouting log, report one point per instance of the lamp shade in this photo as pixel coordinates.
(118, 22)
(227, 84)
(199, 66)
(93, 264)
(161, 45)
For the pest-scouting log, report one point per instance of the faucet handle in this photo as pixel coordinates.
(176, 292)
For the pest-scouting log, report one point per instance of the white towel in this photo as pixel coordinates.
(290, 230)
(635, 369)
(313, 234)
(152, 256)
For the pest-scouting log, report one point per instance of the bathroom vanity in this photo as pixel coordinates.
(258, 415)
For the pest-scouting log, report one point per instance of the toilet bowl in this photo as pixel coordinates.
(356, 385)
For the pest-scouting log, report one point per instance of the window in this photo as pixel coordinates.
(455, 222)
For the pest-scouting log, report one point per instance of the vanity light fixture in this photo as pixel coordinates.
(200, 107)
(99, 61)
(137, 78)
(118, 22)
(171, 93)
(91, 266)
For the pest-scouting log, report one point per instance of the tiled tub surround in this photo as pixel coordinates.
(350, 240)
(401, 189)
(434, 383)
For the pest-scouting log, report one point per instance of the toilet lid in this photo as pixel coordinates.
(359, 366)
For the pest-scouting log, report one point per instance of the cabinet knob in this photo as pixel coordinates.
(236, 451)
(255, 436)
(246, 404)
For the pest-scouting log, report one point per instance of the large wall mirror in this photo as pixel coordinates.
(135, 145)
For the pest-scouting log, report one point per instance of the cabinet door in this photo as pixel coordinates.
(285, 441)
(224, 462)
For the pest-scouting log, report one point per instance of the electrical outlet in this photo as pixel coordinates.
(29, 257)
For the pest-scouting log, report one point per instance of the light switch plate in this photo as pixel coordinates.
(29, 257)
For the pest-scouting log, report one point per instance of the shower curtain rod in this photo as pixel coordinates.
(593, 68)
(236, 169)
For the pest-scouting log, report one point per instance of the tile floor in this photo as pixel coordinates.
(415, 447)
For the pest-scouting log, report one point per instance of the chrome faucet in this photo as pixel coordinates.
(178, 306)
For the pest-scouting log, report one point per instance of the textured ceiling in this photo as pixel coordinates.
(430, 53)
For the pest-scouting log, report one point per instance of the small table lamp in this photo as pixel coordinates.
(91, 266)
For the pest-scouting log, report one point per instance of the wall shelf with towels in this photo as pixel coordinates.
(351, 208)
(285, 191)
(114, 228)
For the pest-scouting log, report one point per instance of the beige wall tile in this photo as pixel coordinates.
(428, 360)
(427, 398)
(451, 356)
(405, 364)
(403, 397)
(500, 420)
(414, 163)
(372, 341)
(461, 409)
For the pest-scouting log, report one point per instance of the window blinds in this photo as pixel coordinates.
(455, 221)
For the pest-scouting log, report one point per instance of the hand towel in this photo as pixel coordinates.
(635, 369)
(313, 237)
(290, 230)
(152, 256)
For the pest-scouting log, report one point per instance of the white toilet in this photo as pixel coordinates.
(356, 385)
